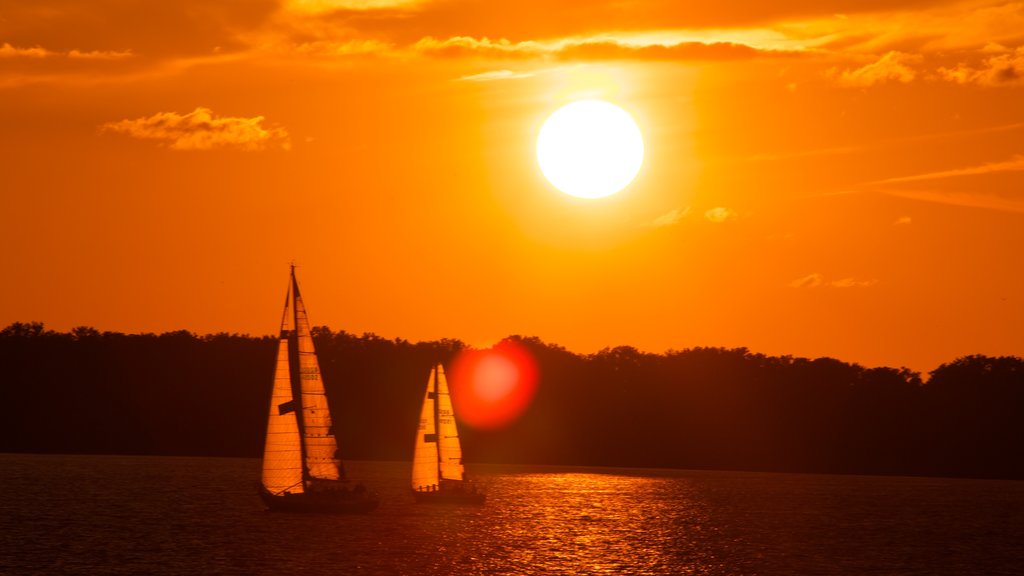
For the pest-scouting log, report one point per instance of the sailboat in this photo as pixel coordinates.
(438, 476)
(301, 469)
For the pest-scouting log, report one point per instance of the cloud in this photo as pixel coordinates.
(460, 46)
(202, 130)
(100, 54)
(670, 218)
(330, 48)
(496, 75)
(816, 280)
(987, 201)
(852, 283)
(719, 214)
(1015, 164)
(590, 49)
(406, 21)
(8, 51)
(810, 281)
(325, 6)
(999, 70)
(154, 31)
(892, 67)
(902, 221)
(682, 51)
(942, 28)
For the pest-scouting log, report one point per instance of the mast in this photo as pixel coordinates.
(320, 447)
(296, 376)
(437, 424)
(450, 450)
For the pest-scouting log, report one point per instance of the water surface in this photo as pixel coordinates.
(160, 515)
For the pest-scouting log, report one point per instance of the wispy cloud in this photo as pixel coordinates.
(892, 67)
(720, 214)
(9, 51)
(852, 283)
(1014, 164)
(670, 218)
(604, 48)
(457, 46)
(942, 28)
(902, 221)
(330, 48)
(100, 54)
(682, 51)
(812, 280)
(202, 130)
(817, 280)
(326, 6)
(496, 75)
(999, 70)
(986, 201)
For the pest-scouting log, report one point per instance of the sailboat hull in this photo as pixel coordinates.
(449, 497)
(328, 502)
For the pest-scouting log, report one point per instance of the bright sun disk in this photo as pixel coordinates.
(590, 148)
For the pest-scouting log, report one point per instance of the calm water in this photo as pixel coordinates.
(152, 515)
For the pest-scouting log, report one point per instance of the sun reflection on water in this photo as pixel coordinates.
(604, 524)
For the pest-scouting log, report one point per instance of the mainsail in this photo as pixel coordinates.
(298, 448)
(437, 454)
(318, 440)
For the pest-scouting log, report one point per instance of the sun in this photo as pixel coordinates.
(590, 149)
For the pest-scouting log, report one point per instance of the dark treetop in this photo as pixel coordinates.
(178, 393)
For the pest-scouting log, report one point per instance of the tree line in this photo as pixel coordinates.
(178, 393)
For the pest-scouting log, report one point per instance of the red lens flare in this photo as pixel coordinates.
(492, 387)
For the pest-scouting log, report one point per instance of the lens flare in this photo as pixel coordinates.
(492, 387)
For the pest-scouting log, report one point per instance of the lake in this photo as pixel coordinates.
(167, 515)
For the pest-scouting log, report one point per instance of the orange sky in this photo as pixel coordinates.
(841, 178)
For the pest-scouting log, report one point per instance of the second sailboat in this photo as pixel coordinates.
(438, 476)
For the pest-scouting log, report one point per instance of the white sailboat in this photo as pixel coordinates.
(437, 472)
(301, 469)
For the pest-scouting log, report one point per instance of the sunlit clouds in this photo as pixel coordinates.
(817, 280)
(961, 42)
(852, 283)
(327, 6)
(812, 280)
(1015, 164)
(720, 215)
(602, 48)
(1001, 69)
(1012, 203)
(670, 218)
(795, 154)
(8, 51)
(892, 67)
(495, 75)
(201, 129)
(340, 49)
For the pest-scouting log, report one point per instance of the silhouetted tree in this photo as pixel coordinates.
(180, 393)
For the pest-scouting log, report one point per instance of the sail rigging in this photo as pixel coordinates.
(449, 451)
(282, 452)
(437, 454)
(320, 446)
(300, 445)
